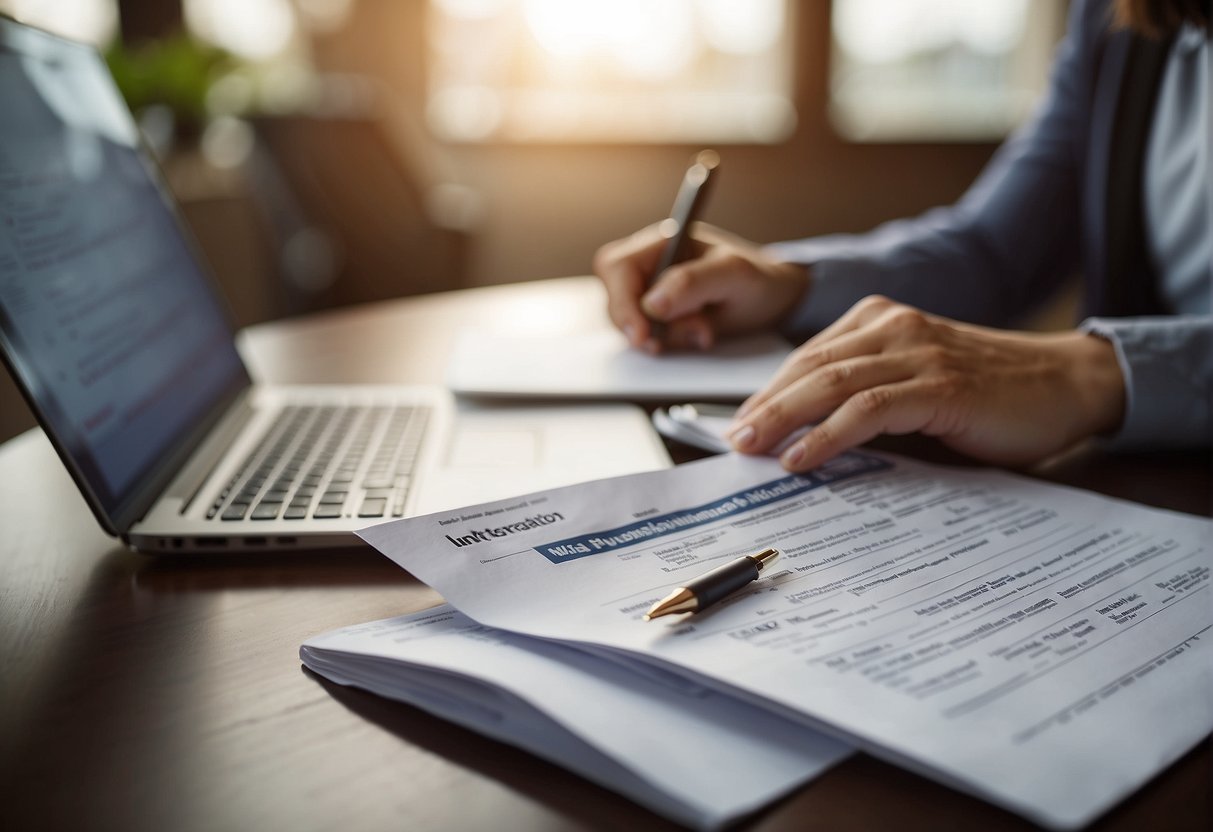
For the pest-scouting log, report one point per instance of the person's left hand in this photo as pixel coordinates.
(883, 367)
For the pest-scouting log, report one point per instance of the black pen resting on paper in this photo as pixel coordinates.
(688, 205)
(713, 586)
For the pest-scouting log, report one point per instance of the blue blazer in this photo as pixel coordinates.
(1035, 216)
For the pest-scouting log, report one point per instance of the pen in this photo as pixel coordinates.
(713, 586)
(688, 204)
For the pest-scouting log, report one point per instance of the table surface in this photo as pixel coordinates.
(143, 693)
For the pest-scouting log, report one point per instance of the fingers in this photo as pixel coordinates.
(689, 287)
(874, 324)
(624, 267)
(865, 375)
(727, 286)
(814, 395)
(888, 368)
(691, 332)
(728, 271)
(862, 313)
(809, 358)
(895, 408)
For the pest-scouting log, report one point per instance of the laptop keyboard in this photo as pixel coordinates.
(326, 462)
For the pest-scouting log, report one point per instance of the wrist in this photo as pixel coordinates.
(1096, 374)
(797, 279)
(791, 286)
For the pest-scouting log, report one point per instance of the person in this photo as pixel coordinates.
(1111, 175)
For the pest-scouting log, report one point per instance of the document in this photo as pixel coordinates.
(641, 733)
(600, 364)
(1041, 647)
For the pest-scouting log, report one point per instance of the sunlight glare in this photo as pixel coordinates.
(90, 21)
(878, 31)
(253, 29)
(742, 27)
(645, 38)
(471, 9)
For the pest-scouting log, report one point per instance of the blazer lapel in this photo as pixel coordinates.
(1122, 117)
(1109, 77)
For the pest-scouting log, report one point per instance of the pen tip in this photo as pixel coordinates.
(680, 600)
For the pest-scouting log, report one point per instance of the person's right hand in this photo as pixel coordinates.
(728, 287)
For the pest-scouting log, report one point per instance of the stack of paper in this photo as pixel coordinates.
(641, 732)
(1037, 646)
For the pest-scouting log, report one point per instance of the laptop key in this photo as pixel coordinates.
(315, 455)
(266, 511)
(373, 507)
(235, 511)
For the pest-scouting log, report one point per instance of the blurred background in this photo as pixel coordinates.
(330, 152)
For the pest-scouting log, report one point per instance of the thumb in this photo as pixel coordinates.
(687, 288)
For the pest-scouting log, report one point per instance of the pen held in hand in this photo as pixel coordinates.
(688, 205)
(713, 586)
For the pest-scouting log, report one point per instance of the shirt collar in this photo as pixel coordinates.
(1190, 38)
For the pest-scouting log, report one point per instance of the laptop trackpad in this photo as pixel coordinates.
(477, 447)
(496, 452)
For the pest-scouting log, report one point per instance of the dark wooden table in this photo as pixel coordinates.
(152, 694)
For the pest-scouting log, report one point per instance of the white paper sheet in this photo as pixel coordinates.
(1041, 647)
(700, 425)
(600, 364)
(687, 752)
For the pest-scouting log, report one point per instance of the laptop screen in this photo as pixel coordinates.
(106, 317)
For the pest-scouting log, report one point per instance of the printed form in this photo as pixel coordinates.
(1041, 647)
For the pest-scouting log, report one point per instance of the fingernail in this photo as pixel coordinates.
(742, 436)
(629, 332)
(655, 303)
(793, 456)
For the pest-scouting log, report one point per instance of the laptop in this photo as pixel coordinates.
(114, 331)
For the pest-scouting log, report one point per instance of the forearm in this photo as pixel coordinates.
(1000, 250)
(917, 262)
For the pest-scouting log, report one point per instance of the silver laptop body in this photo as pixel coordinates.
(118, 338)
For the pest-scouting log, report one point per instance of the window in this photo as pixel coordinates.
(929, 70)
(91, 21)
(610, 70)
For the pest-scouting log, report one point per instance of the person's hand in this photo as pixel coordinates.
(728, 287)
(883, 367)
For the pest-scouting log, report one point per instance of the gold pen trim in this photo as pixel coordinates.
(680, 600)
(764, 557)
(684, 600)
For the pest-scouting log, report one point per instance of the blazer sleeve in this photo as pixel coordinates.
(1008, 242)
(1167, 364)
